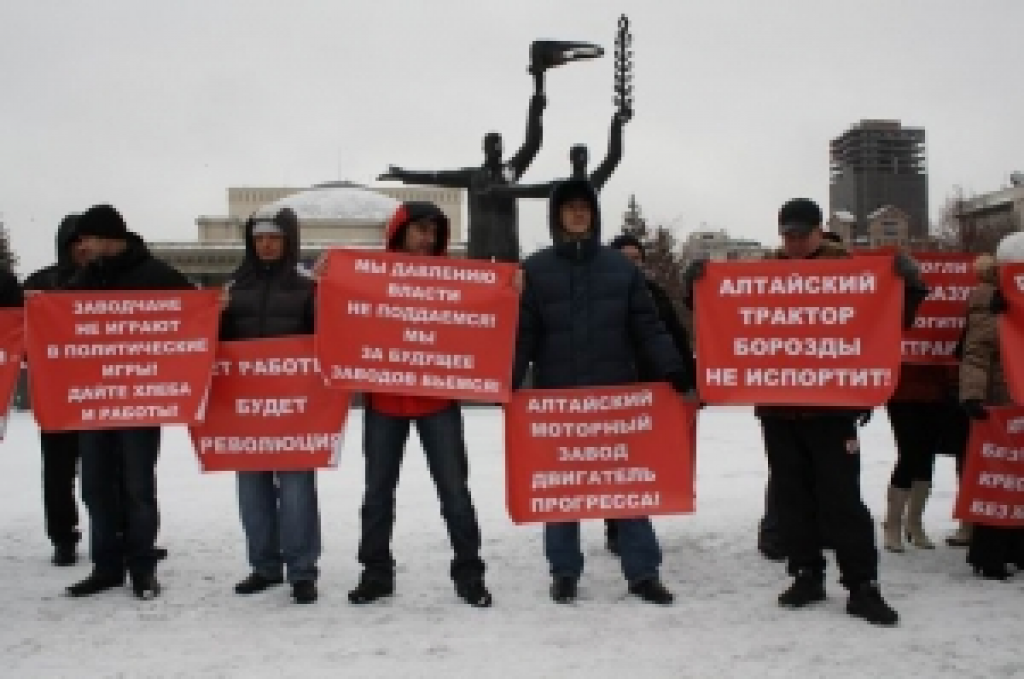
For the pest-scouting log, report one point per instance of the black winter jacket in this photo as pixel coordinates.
(11, 294)
(670, 319)
(586, 317)
(135, 268)
(269, 300)
(56, 276)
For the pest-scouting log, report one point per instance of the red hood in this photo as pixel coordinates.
(411, 211)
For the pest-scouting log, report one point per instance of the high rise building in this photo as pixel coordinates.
(880, 164)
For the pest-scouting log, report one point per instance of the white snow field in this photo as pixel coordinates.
(725, 622)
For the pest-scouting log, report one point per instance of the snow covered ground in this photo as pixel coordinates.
(725, 622)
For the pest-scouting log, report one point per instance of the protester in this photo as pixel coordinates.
(630, 246)
(420, 229)
(60, 448)
(586, 320)
(983, 383)
(270, 295)
(119, 465)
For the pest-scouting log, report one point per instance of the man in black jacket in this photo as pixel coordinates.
(60, 448)
(586, 317)
(270, 295)
(119, 465)
(633, 249)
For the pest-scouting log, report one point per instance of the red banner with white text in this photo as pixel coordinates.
(941, 317)
(416, 325)
(796, 332)
(992, 483)
(605, 452)
(107, 360)
(269, 409)
(12, 347)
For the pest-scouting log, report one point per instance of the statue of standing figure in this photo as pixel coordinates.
(493, 222)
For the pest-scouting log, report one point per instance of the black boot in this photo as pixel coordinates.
(564, 589)
(808, 587)
(159, 553)
(304, 592)
(96, 582)
(652, 591)
(866, 602)
(371, 589)
(992, 572)
(145, 586)
(256, 583)
(474, 592)
(65, 554)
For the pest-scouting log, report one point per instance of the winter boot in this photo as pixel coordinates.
(652, 591)
(65, 554)
(145, 586)
(256, 583)
(962, 536)
(96, 582)
(866, 602)
(564, 589)
(304, 592)
(892, 526)
(474, 592)
(919, 493)
(371, 589)
(807, 588)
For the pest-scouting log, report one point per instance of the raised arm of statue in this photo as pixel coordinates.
(534, 136)
(611, 160)
(522, 190)
(456, 179)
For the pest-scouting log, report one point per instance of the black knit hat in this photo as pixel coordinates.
(624, 240)
(102, 221)
(799, 216)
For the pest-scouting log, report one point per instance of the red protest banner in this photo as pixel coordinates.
(12, 346)
(942, 316)
(269, 409)
(605, 452)
(1011, 329)
(105, 360)
(422, 326)
(992, 483)
(796, 332)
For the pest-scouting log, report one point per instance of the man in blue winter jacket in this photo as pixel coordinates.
(587, 320)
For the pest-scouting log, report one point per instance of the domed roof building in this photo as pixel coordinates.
(335, 214)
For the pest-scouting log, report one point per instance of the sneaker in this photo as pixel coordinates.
(256, 583)
(866, 602)
(304, 592)
(807, 588)
(371, 589)
(564, 590)
(145, 586)
(94, 584)
(65, 554)
(474, 593)
(652, 591)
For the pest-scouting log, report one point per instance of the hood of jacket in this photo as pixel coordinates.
(288, 222)
(66, 237)
(563, 192)
(411, 211)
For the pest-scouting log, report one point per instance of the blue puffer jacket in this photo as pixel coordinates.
(585, 312)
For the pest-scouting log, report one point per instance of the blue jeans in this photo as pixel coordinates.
(281, 520)
(384, 438)
(119, 490)
(638, 549)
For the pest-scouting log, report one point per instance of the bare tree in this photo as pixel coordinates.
(8, 260)
(971, 231)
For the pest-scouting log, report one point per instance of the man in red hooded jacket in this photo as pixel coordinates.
(417, 228)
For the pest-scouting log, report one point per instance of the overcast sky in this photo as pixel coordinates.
(158, 107)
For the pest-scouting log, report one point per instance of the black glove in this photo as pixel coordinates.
(694, 271)
(864, 417)
(906, 268)
(681, 382)
(974, 409)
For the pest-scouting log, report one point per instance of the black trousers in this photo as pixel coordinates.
(815, 473)
(922, 431)
(60, 466)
